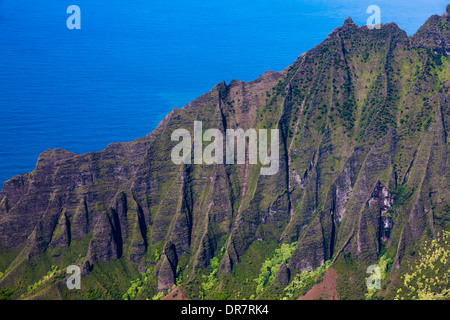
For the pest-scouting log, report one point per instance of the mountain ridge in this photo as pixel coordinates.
(363, 120)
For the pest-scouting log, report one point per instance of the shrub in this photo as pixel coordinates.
(429, 276)
(211, 281)
(136, 286)
(384, 264)
(5, 294)
(270, 267)
(402, 193)
(53, 271)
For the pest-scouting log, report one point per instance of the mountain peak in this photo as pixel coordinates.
(434, 34)
(348, 21)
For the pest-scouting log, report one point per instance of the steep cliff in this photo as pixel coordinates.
(363, 120)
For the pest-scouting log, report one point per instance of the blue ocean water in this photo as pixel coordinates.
(134, 61)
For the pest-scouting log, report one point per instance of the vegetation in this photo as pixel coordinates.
(402, 193)
(359, 108)
(384, 264)
(211, 281)
(163, 293)
(160, 295)
(94, 294)
(270, 267)
(137, 285)
(303, 281)
(428, 277)
(240, 284)
(5, 293)
(54, 270)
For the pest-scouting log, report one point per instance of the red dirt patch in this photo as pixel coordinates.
(326, 290)
(176, 294)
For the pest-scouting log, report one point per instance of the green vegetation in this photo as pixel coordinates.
(428, 277)
(210, 282)
(240, 284)
(157, 255)
(137, 285)
(6, 294)
(384, 264)
(94, 294)
(346, 111)
(402, 193)
(54, 270)
(270, 267)
(304, 281)
(180, 277)
(160, 295)
(351, 282)
(115, 277)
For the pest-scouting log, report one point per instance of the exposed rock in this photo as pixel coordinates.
(434, 34)
(309, 253)
(139, 243)
(80, 225)
(283, 275)
(87, 268)
(61, 235)
(349, 22)
(106, 241)
(382, 196)
(167, 268)
(386, 227)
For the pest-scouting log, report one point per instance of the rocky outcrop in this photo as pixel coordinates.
(167, 269)
(106, 242)
(382, 197)
(62, 234)
(283, 275)
(434, 34)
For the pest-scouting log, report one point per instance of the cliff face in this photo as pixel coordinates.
(363, 120)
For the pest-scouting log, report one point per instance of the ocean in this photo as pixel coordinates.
(134, 61)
